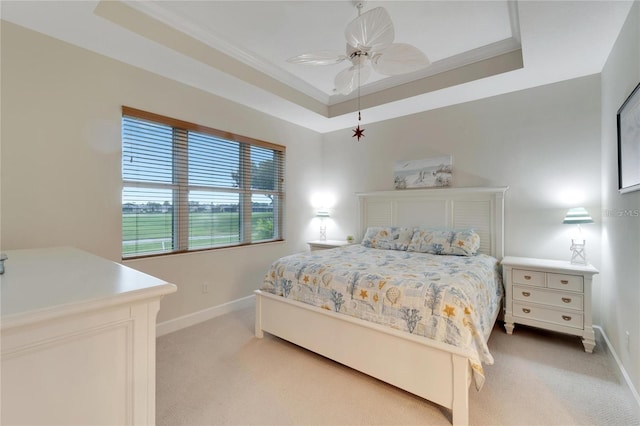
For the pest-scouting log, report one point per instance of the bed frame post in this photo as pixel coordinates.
(460, 405)
(258, 327)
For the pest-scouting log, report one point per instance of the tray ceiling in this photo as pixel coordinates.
(238, 49)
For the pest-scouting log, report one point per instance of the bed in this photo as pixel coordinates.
(439, 369)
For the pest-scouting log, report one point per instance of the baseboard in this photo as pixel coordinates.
(179, 323)
(621, 370)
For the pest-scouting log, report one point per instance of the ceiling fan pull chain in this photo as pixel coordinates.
(358, 132)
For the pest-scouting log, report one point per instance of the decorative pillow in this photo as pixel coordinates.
(388, 238)
(460, 242)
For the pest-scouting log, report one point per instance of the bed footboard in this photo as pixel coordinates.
(440, 372)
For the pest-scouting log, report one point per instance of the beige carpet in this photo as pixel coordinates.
(218, 373)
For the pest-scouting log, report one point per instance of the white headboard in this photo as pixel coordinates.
(479, 208)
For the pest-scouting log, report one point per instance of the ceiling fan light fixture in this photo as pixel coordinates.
(359, 60)
(369, 46)
(369, 42)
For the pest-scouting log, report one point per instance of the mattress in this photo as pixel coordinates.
(450, 299)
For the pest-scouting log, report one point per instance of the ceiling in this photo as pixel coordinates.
(238, 49)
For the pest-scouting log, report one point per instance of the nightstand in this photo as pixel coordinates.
(327, 244)
(550, 294)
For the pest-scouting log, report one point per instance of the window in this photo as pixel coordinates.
(188, 187)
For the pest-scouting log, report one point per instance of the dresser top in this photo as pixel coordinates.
(40, 284)
(548, 264)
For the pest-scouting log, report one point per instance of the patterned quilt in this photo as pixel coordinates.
(446, 298)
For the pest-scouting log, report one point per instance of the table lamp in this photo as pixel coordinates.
(578, 216)
(323, 214)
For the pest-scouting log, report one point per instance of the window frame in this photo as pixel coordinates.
(180, 186)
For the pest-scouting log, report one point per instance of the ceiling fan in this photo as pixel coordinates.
(369, 45)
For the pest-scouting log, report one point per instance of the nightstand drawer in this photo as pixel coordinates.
(539, 313)
(521, 276)
(565, 282)
(553, 298)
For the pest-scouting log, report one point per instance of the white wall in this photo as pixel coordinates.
(544, 143)
(61, 154)
(620, 275)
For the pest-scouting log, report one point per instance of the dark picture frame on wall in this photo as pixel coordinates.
(629, 143)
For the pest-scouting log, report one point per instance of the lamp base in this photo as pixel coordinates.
(578, 253)
(323, 232)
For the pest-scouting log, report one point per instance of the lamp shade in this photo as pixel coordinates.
(577, 215)
(322, 213)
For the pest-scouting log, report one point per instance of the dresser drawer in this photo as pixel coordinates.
(565, 318)
(565, 282)
(521, 276)
(544, 297)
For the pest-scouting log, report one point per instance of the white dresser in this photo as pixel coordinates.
(78, 339)
(550, 294)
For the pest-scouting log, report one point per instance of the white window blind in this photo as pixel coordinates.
(188, 187)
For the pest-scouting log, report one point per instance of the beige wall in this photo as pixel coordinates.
(60, 169)
(553, 145)
(620, 275)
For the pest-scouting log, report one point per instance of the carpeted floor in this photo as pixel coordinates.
(218, 373)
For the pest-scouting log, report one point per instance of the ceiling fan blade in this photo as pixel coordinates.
(321, 57)
(399, 58)
(373, 30)
(347, 80)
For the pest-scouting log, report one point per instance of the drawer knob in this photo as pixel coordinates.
(526, 311)
(566, 317)
(526, 294)
(566, 299)
(527, 277)
(564, 281)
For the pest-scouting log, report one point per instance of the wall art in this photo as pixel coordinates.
(629, 143)
(426, 173)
